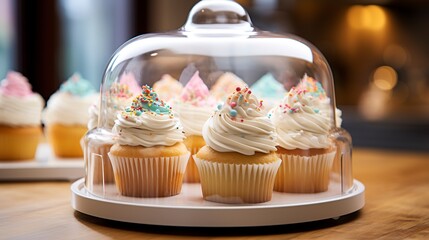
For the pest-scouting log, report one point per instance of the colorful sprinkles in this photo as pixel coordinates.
(239, 98)
(119, 90)
(313, 87)
(296, 98)
(288, 109)
(148, 102)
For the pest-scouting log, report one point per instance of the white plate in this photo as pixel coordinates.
(190, 210)
(45, 166)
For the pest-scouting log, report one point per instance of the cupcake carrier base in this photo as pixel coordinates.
(45, 166)
(188, 209)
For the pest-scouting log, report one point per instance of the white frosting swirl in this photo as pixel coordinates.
(148, 130)
(148, 122)
(192, 117)
(93, 112)
(21, 111)
(338, 117)
(194, 105)
(326, 109)
(113, 108)
(240, 126)
(67, 109)
(300, 123)
(316, 90)
(167, 87)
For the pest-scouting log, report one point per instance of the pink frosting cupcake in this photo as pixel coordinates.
(20, 118)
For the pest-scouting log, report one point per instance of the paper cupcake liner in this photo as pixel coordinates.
(237, 183)
(304, 174)
(149, 177)
(191, 174)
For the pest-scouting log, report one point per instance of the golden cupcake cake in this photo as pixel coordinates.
(193, 107)
(304, 145)
(149, 157)
(20, 118)
(66, 116)
(239, 163)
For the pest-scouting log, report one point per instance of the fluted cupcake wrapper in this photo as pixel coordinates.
(149, 177)
(191, 174)
(237, 183)
(304, 174)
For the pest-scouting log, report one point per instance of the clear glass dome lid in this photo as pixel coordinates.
(219, 63)
(219, 38)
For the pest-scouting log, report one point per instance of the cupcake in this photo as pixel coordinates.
(66, 116)
(97, 145)
(225, 85)
(20, 118)
(148, 158)
(315, 89)
(304, 146)
(167, 87)
(269, 90)
(239, 163)
(193, 108)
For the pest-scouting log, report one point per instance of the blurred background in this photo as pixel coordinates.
(378, 51)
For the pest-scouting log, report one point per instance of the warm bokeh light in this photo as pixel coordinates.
(374, 103)
(369, 17)
(385, 78)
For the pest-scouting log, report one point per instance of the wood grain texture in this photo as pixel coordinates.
(397, 207)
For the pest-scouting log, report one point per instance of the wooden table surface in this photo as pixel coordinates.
(397, 207)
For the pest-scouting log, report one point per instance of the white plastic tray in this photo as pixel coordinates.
(190, 210)
(45, 166)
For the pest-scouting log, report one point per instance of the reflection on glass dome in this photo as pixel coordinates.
(288, 140)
